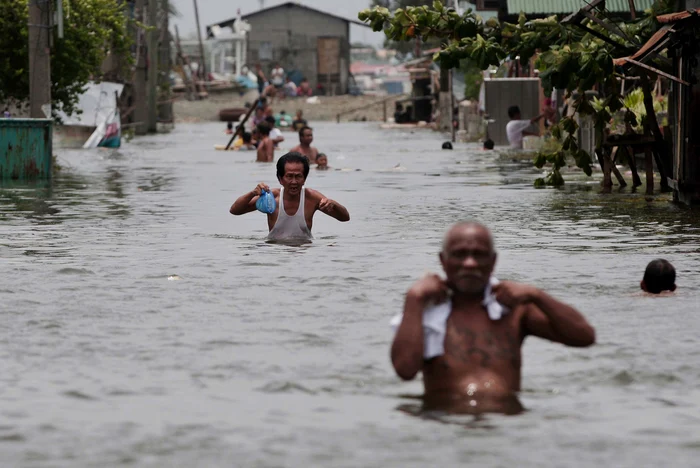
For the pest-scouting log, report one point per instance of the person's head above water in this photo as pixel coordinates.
(247, 137)
(229, 125)
(292, 171)
(447, 145)
(488, 144)
(659, 276)
(514, 112)
(321, 161)
(306, 135)
(468, 257)
(271, 121)
(263, 129)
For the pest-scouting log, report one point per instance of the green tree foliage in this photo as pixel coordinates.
(472, 79)
(404, 47)
(568, 58)
(92, 28)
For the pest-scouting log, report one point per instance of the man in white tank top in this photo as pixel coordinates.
(296, 204)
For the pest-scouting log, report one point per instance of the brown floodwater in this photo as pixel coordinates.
(142, 325)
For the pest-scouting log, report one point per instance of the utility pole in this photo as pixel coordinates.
(202, 64)
(445, 100)
(140, 95)
(152, 66)
(39, 59)
(165, 109)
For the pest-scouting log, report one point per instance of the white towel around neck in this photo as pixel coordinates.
(435, 321)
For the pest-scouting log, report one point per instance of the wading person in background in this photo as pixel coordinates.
(322, 162)
(299, 121)
(277, 77)
(258, 117)
(400, 115)
(260, 75)
(246, 143)
(517, 128)
(266, 149)
(304, 88)
(465, 332)
(290, 88)
(306, 137)
(659, 276)
(296, 204)
(275, 133)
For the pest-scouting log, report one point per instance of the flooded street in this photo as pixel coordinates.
(143, 325)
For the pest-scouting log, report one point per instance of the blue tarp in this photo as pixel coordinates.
(247, 82)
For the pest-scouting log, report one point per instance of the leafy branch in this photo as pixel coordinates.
(94, 29)
(569, 58)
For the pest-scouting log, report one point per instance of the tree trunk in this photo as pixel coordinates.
(445, 101)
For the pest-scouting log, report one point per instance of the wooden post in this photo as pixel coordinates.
(606, 164)
(653, 128)
(452, 108)
(649, 162)
(39, 58)
(239, 129)
(632, 162)
(633, 12)
(385, 113)
(202, 64)
(610, 158)
(603, 160)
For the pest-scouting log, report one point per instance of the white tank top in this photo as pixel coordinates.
(291, 227)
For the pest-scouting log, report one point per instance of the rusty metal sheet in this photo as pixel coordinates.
(678, 16)
(25, 149)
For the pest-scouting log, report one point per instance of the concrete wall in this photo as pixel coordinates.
(293, 32)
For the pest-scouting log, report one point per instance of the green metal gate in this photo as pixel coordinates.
(25, 149)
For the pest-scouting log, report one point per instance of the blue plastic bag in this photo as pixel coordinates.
(266, 203)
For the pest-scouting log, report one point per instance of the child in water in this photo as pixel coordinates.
(247, 144)
(659, 276)
(322, 162)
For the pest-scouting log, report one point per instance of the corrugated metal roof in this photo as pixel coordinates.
(550, 7)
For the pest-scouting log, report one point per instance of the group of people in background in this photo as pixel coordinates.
(280, 85)
(263, 134)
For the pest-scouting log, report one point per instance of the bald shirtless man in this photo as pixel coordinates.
(465, 332)
(306, 137)
(296, 204)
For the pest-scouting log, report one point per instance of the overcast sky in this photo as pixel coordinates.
(214, 11)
